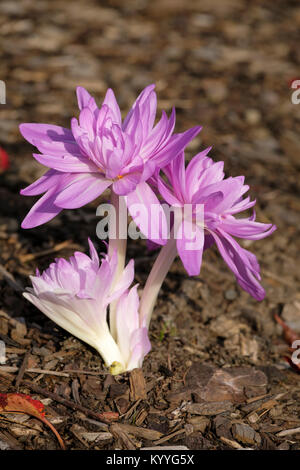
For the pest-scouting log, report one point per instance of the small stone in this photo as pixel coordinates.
(230, 294)
(253, 116)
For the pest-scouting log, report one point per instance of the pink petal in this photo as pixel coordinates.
(243, 228)
(127, 184)
(140, 100)
(50, 179)
(85, 100)
(140, 345)
(43, 210)
(83, 189)
(148, 214)
(176, 145)
(190, 249)
(127, 320)
(67, 163)
(111, 102)
(166, 193)
(242, 263)
(50, 138)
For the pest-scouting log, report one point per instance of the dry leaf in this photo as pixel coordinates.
(288, 334)
(21, 403)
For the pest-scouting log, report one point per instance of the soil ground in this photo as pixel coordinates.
(216, 377)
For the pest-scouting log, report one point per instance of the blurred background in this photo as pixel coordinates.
(227, 65)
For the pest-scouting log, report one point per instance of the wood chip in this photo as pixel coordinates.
(266, 406)
(164, 448)
(288, 432)
(9, 441)
(142, 433)
(209, 408)
(229, 442)
(245, 434)
(97, 436)
(142, 415)
(75, 391)
(199, 423)
(170, 436)
(122, 436)
(137, 385)
(22, 370)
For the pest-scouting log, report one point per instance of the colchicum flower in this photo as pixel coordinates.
(76, 295)
(202, 183)
(101, 151)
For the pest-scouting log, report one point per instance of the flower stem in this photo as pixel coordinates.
(118, 242)
(109, 350)
(155, 279)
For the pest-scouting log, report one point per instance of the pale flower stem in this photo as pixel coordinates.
(109, 350)
(118, 244)
(155, 280)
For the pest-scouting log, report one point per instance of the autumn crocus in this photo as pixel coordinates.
(76, 295)
(202, 187)
(100, 151)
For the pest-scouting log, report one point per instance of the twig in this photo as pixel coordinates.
(9, 341)
(10, 279)
(288, 432)
(87, 372)
(56, 248)
(229, 442)
(170, 436)
(22, 370)
(131, 410)
(34, 371)
(106, 417)
(65, 373)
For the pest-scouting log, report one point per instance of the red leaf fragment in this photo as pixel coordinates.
(109, 416)
(4, 160)
(294, 366)
(288, 334)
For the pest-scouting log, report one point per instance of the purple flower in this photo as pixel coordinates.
(76, 295)
(101, 151)
(203, 186)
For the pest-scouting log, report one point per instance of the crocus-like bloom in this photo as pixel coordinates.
(76, 294)
(202, 185)
(101, 151)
